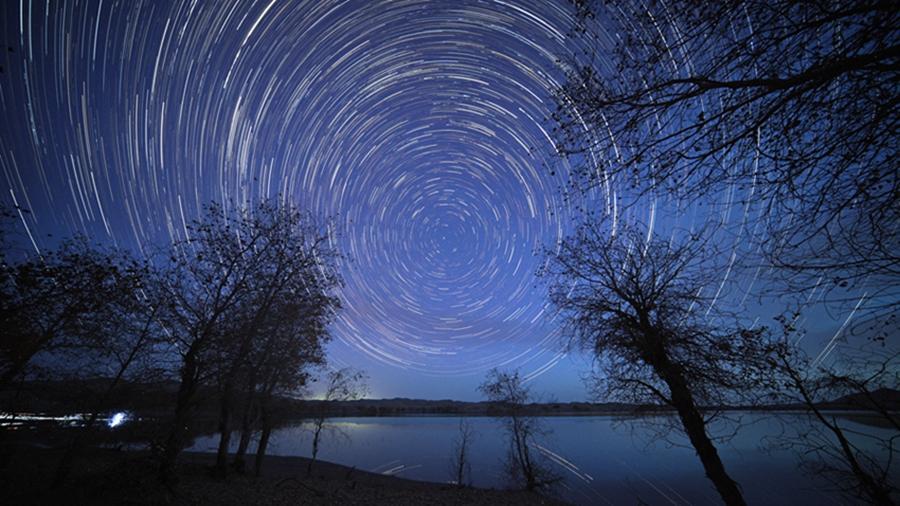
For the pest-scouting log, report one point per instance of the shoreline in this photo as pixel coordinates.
(108, 476)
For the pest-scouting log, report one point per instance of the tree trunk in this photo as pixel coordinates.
(246, 435)
(227, 398)
(224, 431)
(520, 443)
(178, 434)
(263, 439)
(315, 444)
(695, 427)
(877, 492)
(461, 462)
(246, 423)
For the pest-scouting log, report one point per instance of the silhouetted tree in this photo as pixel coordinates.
(6, 232)
(856, 462)
(208, 277)
(635, 302)
(511, 395)
(792, 105)
(48, 301)
(340, 386)
(291, 349)
(125, 343)
(460, 464)
(76, 312)
(216, 280)
(292, 283)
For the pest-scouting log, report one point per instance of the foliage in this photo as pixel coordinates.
(73, 300)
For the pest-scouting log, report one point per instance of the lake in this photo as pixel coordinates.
(603, 459)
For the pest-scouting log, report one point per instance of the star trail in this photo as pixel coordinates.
(419, 127)
(477, 243)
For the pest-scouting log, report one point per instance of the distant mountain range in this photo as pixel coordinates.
(885, 397)
(157, 399)
(403, 406)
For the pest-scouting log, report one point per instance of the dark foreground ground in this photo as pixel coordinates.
(106, 477)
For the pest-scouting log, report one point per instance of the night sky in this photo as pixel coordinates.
(420, 126)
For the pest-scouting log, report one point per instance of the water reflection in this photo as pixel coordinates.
(605, 460)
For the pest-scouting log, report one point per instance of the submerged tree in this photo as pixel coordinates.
(635, 302)
(460, 464)
(793, 105)
(510, 396)
(340, 385)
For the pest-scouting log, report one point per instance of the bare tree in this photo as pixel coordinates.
(635, 302)
(123, 343)
(79, 313)
(47, 301)
(790, 105)
(340, 385)
(295, 263)
(291, 349)
(208, 277)
(212, 292)
(511, 395)
(460, 463)
(856, 462)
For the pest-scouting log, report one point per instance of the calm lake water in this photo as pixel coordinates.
(603, 459)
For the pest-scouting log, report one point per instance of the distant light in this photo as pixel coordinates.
(117, 419)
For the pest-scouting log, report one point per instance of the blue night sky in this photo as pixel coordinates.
(419, 126)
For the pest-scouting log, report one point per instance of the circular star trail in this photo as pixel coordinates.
(417, 125)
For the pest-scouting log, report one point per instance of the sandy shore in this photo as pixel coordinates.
(106, 477)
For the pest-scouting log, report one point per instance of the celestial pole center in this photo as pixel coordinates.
(418, 127)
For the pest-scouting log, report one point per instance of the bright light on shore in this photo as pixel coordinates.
(117, 419)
